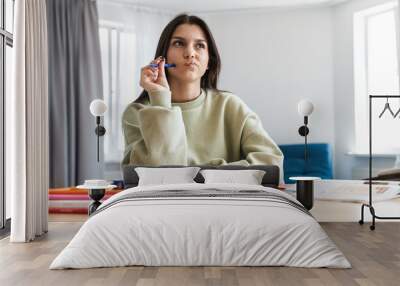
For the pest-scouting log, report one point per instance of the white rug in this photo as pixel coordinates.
(351, 190)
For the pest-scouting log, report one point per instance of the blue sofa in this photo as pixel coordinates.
(319, 163)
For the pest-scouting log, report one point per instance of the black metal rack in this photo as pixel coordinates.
(370, 206)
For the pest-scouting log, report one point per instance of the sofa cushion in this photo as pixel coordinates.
(318, 164)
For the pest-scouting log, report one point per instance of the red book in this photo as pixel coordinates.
(55, 210)
(75, 191)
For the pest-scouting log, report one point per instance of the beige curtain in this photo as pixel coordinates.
(28, 155)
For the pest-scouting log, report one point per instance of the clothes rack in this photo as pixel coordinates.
(370, 205)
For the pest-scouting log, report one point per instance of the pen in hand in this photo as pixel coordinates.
(166, 65)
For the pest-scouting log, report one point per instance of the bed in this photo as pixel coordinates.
(201, 224)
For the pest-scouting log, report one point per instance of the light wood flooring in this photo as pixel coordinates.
(375, 257)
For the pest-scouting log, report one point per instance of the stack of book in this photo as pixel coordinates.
(73, 200)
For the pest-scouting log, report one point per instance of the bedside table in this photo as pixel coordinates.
(96, 192)
(305, 190)
(96, 195)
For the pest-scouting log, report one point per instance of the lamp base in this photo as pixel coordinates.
(303, 130)
(100, 130)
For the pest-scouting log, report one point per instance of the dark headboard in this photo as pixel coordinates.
(270, 179)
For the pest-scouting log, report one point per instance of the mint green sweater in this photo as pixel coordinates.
(215, 128)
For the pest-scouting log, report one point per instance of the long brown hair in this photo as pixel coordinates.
(210, 77)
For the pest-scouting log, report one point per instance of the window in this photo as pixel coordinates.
(376, 71)
(119, 86)
(6, 43)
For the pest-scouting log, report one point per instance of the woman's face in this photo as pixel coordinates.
(188, 49)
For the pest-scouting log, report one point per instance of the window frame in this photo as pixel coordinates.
(6, 39)
(113, 91)
(360, 66)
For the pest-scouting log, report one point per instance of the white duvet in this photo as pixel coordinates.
(200, 231)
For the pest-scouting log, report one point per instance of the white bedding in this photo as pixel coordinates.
(183, 231)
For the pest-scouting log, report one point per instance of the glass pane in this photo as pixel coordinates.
(128, 82)
(111, 94)
(1, 15)
(9, 15)
(8, 90)
(2, 202)
(105, 49)
(383, 79)
(382, 54)
(119, 78)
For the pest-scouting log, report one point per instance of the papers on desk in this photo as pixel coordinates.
(353, 191)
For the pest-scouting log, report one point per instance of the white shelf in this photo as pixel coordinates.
(374, 155)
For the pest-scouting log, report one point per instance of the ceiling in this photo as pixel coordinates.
(224, 5)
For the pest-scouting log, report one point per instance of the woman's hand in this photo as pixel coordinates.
(153, 79)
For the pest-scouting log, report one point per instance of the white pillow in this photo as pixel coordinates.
(163, 176)
(248, 177)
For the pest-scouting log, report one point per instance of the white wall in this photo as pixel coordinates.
(273, 59)
(345, 165)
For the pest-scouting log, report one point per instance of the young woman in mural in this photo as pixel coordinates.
(181, 118)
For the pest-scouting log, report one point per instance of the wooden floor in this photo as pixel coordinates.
(374, 255)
